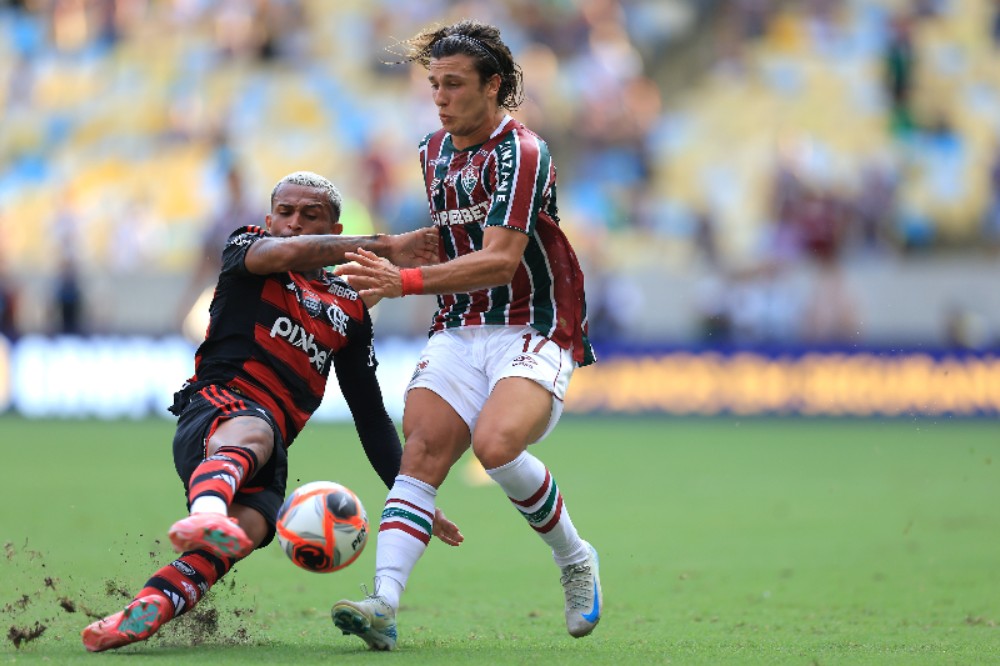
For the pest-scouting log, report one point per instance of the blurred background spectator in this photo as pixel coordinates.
(234, 211)
(732, 171)
(991, 219)
(67, 299)
(8, 306)
(899, 72)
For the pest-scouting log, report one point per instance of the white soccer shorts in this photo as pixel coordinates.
(462, 365)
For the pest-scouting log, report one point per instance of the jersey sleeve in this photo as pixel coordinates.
(521, 168)
(355, 366)
(235, 251)
(422, 153)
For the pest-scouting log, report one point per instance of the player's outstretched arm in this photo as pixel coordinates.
(359, 384)
(495, 264)
(309, 252)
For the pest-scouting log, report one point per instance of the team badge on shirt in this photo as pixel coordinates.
(470, 176)
(338, 319)
(311, 303)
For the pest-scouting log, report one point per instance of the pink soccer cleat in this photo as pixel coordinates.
(218, 534)
(137, 622)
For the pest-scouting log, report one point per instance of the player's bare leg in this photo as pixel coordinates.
(435, 437)
(518, 412)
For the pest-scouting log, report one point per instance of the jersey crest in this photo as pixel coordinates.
(470, 177)
(311, 303)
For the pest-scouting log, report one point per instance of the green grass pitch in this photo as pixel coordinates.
(722, 541)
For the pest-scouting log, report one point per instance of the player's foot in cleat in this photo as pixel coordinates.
(214, 532)
(140, 620)
(372, 619)
(582, 584)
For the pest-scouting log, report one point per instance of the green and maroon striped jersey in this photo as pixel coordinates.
(509, 181)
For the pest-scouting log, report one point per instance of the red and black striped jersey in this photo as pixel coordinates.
(508, 181)
(274, 337)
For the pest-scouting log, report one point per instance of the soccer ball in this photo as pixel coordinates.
(322, 526)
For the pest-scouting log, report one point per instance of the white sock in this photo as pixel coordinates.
(531, 488)
(404, 532)
(209, 504)
(389, 589)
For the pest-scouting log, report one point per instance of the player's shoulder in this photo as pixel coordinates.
(518, 134)
(246, 235)
(428, 137)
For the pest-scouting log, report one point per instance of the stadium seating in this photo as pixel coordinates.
(141, 120)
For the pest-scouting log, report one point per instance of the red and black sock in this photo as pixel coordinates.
(222, 474)
(187, 579)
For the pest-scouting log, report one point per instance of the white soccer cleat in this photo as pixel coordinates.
(371, 619)
(582, 584)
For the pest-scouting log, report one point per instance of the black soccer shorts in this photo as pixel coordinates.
(199, 417)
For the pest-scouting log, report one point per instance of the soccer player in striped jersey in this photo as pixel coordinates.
(279, 323)
(510, 329)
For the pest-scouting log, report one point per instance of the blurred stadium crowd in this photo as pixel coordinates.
(739, 140)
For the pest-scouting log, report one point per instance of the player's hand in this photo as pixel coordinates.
(370, 300)
(414, 248)
(371, 276)
(446, 530)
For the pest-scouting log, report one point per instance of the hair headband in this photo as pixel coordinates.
(479, 45)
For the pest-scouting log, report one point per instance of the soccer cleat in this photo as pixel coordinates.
(372, 619)
(582, 584)
(214, 532)
(137, 622)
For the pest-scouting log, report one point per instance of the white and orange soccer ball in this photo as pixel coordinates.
(322, 526)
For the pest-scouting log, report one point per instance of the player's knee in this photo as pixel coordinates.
(248, 433)
(495, 450)
(426, 461)
(497, 441)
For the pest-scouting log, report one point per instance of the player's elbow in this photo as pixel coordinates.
(504, 268)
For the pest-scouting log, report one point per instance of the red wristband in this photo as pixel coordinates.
(413, 281)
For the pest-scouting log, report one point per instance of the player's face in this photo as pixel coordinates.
(299, 210)
(467, 106)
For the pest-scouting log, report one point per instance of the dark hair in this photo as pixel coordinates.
(480, 41)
